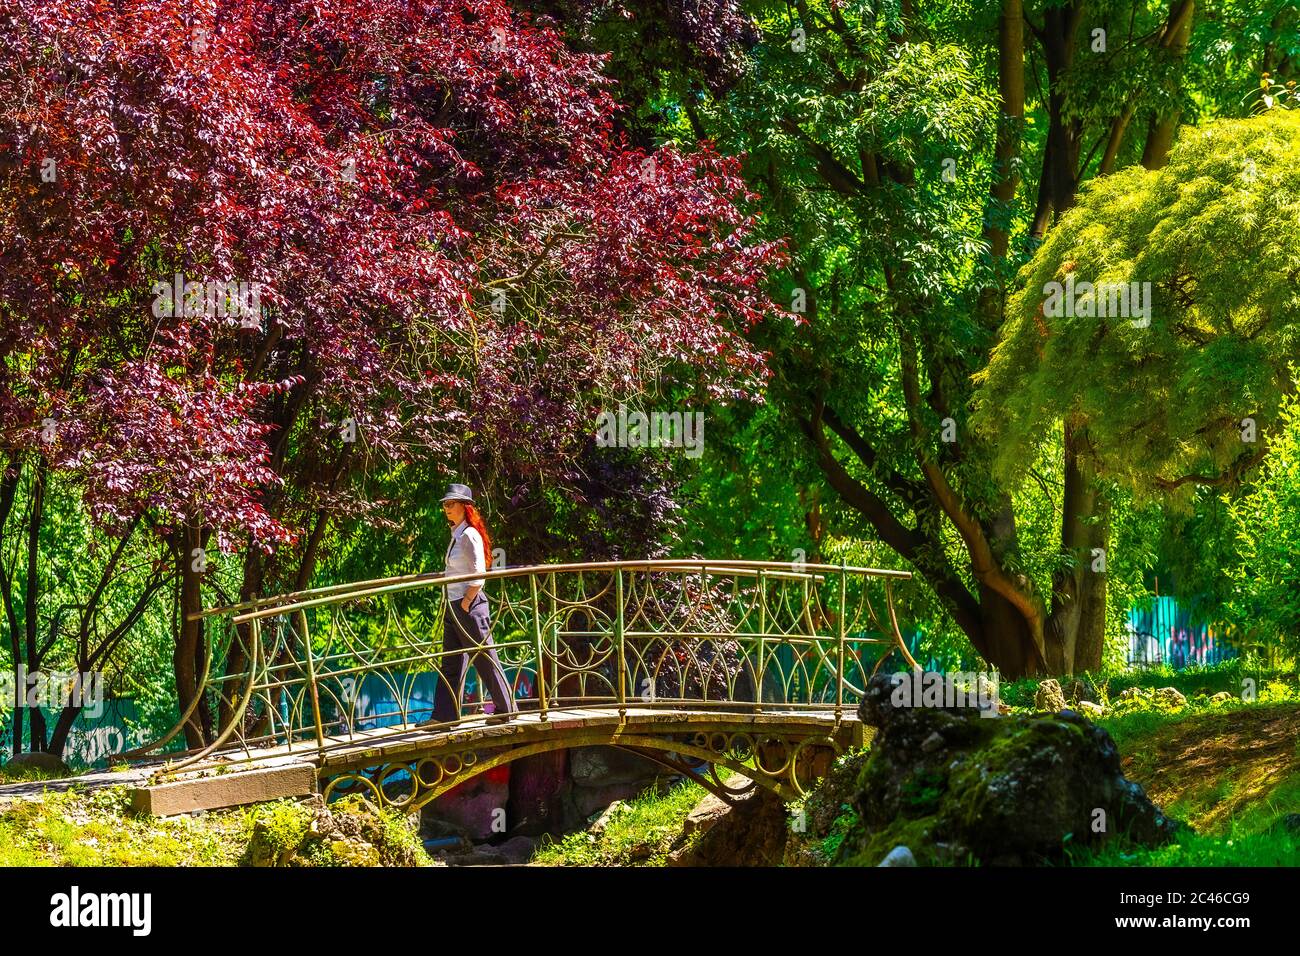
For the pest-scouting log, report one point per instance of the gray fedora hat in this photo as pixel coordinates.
(457, 492)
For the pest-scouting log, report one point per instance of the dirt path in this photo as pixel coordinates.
(1212, 767)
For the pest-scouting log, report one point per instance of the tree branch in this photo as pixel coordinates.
(984, 565)
(834, 172)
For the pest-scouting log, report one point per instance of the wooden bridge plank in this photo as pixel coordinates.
(399, 743)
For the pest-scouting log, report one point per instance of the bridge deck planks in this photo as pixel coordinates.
(384, 744)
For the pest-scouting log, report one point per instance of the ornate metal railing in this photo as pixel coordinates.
(316, 669)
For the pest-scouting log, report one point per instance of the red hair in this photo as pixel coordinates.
(475, 521)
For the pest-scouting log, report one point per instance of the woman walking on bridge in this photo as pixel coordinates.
(466, 626)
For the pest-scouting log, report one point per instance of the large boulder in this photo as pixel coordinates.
(1171, 698)
(956, 787)
(581, 803)
(600, 775)
(597, 767)
(705, 815)
(1090, 710)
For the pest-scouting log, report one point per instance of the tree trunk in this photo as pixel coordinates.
(237, 658)
(1011, 86)
(1008, 637)
(1077, 628)
(1079, 592)
(63, 727)
(1091, 636)
(1160, 134)
(189, 640)
(1078, 613)
(8, 491)
(1061, 159)
(31, 593)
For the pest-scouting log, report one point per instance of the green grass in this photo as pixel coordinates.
(1239, 849)
(641, 835)
(10, 774)
(1197, 679)
(1232, 772)
(97, 829)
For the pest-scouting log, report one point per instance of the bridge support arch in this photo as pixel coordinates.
(783, 756)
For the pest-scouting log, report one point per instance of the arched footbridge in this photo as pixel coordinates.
(700, 665)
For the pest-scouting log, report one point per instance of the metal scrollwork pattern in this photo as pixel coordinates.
(340, 668)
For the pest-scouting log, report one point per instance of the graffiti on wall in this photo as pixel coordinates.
(93, 739)
(1166, 632)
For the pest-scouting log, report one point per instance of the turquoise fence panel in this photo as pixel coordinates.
(381, 699)
(1165, 631)
(93, 740)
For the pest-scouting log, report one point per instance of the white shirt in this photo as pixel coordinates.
(464, 556)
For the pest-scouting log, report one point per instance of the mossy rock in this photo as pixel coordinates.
(1080, 689)
(826, 817)
(956, 787)
(34, 766)
(350, 832)
(1049, 698)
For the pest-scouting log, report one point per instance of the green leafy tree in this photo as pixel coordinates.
(1189, 393)
(1265, 580)
(916, 155)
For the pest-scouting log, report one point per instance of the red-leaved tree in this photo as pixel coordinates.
(437, 233)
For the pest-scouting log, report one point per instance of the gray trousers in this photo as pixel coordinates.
(469, 632)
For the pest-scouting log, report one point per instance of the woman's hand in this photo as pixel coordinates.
(470, 594)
